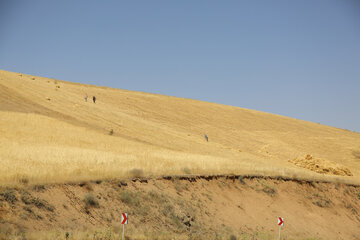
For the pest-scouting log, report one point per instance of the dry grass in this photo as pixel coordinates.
(90, 201)
(71, 153)
(67, 139)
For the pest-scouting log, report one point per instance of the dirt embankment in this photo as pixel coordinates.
(223, 207)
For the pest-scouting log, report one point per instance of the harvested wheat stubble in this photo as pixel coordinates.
(44, 128)
(321, 166)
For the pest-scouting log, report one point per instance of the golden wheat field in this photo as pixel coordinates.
(50, 134)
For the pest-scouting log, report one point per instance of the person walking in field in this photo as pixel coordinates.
(86, 97)
(94, 99)
(206, 137)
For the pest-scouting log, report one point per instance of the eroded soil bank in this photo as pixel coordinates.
(225, 207)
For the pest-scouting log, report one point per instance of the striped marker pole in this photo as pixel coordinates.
(123, 236)
(124, 220)
(280, 223)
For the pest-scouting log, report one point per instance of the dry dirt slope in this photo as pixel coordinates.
(46, 126)
(199, 208)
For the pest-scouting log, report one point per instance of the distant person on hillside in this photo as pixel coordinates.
(86, 97)
(206, 137)
(94, 99)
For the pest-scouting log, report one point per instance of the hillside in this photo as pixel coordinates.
(70, 167)
(49, 134)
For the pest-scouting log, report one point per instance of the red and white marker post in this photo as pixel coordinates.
(280, 223)
(124, 220)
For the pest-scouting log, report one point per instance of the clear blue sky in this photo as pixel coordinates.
(295, 58)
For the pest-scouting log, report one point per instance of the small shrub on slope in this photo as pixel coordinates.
(91, 201)
(9, 196)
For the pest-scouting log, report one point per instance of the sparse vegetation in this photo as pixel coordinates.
(28, 209)
(28, 199)
(111, 132)
(320, 200)
(39, 188)
(168, 210)
(156, 197)
(233, 237)
(9, 196)
(179, 214)
(351, 208)
(41, 203)
(130, 198)
(143, 210)
(269, 190)
(91, 201)
(262, 186)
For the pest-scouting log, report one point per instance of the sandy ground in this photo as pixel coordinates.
(190, 208)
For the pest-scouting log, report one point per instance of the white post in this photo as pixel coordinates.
(279, 231)
(123, 236)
